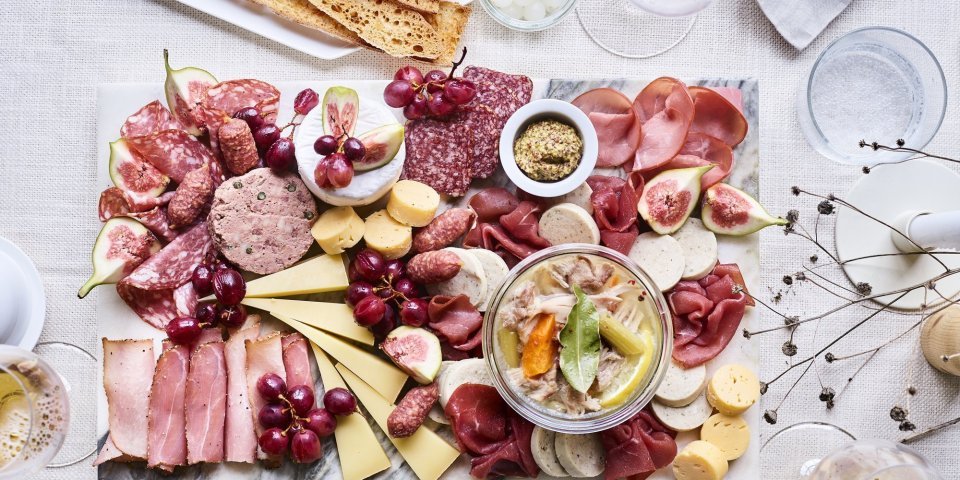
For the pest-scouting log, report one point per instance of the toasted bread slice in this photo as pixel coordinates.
(302, 12)
(387, 25)
(449, 21)
(425, 6)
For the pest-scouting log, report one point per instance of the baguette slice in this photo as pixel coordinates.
(425, 6)
(449, 22)
(302, 12)
(386, 25)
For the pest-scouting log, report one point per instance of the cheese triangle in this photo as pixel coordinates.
(335, 318)
(323, 273)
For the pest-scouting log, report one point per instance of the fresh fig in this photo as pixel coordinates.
(669, 197)
(341, 105)
(121, 246)
(133, 174)
(415, 350)
(184, 88)
(381, 145)
(731, 211)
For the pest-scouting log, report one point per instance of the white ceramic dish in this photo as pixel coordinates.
(22, 301)
(546, 109)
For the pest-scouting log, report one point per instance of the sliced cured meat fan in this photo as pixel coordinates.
(296, 360)
(617, 124)
(698, 150)
(666, 111)
(614, 203)
(166, 430)
(637, 447)
(457, 323)
(706, 316)
(173, 152)
(264, 355)
(128, 394)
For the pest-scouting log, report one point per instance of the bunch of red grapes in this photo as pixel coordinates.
(380, 294)
(335, 169)
(275, 151)
(436, 93)
(228, 286)
(291, 420)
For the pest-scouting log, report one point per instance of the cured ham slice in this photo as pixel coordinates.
(296, 360)
(523, 223)
(706, 316)
(456, 322)
(717, 117)
(617, 124)
(127, 381)
(114, 202)
(699, 150)
(166, 423)
(614, 203)
(264, 355)
(240, 439)
(206, 403)
(110, 453)
(637, 447)
(152, 117)
(666, 111)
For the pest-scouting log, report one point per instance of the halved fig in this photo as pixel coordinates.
(133, 174)
(415, 350)
(121, 246)
(184, 88)
(668, 198)
(381, 146)
(730, 211)
(341, 105)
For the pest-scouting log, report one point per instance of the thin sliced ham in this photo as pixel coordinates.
(264, 355)
(110, 453)
(240, 438)
(717, 117)
(206, 403)
(666, 110)
(699, 150)
(706, 316)
(456, 322)
(296, 360)
(637, 447)
(127, 379)
(617, 124)
(166, 425)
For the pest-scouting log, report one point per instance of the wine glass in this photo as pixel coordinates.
(639, 28)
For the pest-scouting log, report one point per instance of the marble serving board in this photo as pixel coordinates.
(117, 321)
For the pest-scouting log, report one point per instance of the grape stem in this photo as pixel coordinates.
(457, 63)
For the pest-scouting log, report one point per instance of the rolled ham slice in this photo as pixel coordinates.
(716, 116)
(264, 355)
(127, 381)
(617, 124)
(666, 111)
(206, 403)
(240, 438)
(296, 360)
(166, 422)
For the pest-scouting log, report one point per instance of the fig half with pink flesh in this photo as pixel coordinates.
(381, 146)
(730, 211)
(133, 174)
(184, 88)
(670, 197)
(341, 106)
(415, 350)
(121, 246)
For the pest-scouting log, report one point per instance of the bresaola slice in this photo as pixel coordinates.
(717, 117)
(617, 124)
(167, 441)
(456, 322)
(128, 394)
(637, 447)
(205, 402)
(666, 110)
(614, 203)
(706, 316)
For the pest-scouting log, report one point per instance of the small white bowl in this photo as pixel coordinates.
(23, 303)
(549, 109)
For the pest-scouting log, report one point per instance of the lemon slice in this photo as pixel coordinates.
(633, 371)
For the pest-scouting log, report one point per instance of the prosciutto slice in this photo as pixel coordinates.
(296, 360)
(699, 150)
(637, 447)
(114, 202)
(240, 439)
(166, 423)
(456, 322)
(264, 355)
(493, 237)
(523, 223)
(617, 124)
(152, 117)
(127, 381)
(614, 203)
(717, 117)
(206, 403)
(666, 110)
(706, 316)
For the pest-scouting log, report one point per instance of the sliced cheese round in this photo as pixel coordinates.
(733, 389)
(699, 247)
(684, 419)
(700, 460)
(660, 256)
(543, 446)
(470, 280)
(568, 223)
(582, 456)
(681, 386)
(494, 269)
(338, 229)
(413, 203)
(730, 434)
(454, 374)
(387, 236)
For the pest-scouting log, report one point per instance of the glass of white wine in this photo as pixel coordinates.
(34, 413)
(639, 28)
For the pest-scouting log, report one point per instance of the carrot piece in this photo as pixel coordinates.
(540, 351)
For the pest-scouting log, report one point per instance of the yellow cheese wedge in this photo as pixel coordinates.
(700, 460)
(733, 389)
(387, 236)
(385, 378)
(730, 434)
(323, 273)
(338, 229)
(360, 453)
(426, 453)
(413, 203)
(335, 318)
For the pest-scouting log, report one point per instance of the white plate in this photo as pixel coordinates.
(21, 296)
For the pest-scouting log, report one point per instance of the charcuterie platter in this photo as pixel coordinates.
(420, 295)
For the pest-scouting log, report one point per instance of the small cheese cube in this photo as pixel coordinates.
(413, 203)
(730, 434)
(387, 236)
(733, 389)
(338, 229)
(700, 460)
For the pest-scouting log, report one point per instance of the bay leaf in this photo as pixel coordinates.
(580, 339)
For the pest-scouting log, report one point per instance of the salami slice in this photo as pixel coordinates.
(173, 152)
(159, 307)
(485, 127)
(152, 117)
(115, 202)
(173, 266)
(156, 221)
(501, 92)
(232, 95)
(436, 154)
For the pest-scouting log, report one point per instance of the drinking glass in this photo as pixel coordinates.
(639, 28)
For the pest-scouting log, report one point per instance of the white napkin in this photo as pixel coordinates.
(800, 21)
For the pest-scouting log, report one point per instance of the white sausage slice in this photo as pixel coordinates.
(470, 281)
(580, 455)
(543, 446)
(681, 386)
(684, 419)
(660, 256)
(699, 249)
(494, 269)
(568, 223)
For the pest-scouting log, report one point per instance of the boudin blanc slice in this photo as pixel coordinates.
(699, 247)
(494, 269)
(681, 386)
(684, 419)
(470, 280)
(580, 455)
(454, 374)
(543, 446)
(568, 223)
(660, 256)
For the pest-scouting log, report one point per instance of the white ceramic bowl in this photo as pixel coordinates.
(549, 109)
(22, 301)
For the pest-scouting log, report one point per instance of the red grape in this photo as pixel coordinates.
(321, 421)
(183, 330)
(413, 312)
(352, 273)
(369, 311)
(439, 106)
(339, 401)
(305, 447)
(409, 74)
(386, 293)
(385, 326)
(406, 287)
(434, 79)
(306, 100)
(399, 93)
(354, 150)
(265, 136)
(394, 269)
(229, 286)
(271, 386)
(320, 173)
(207, 313)
(301, 399)
(459, 91)
(221, 265)
(357, 291)
(417, 108)
(280, 155)
(250, 115)
(326, 145)
(232, 316)
(339, 170)
(370, 264)
(202, 279)
(273, 441)
(274, 415)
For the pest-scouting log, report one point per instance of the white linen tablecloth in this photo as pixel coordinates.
(53, 55)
